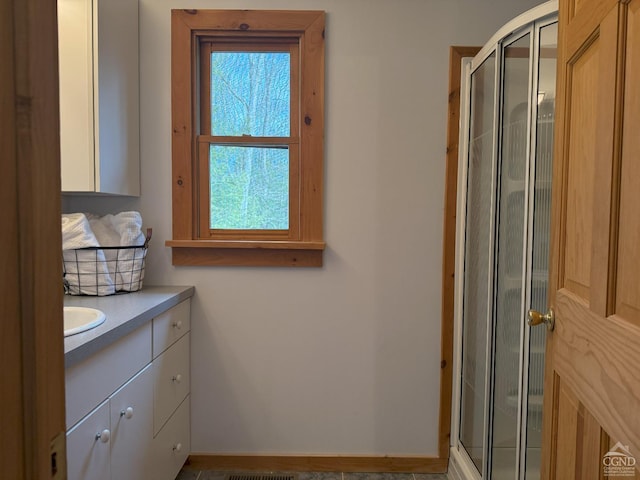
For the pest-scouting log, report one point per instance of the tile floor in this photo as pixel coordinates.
(220, 475)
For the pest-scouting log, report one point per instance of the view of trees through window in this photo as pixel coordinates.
(249, 182)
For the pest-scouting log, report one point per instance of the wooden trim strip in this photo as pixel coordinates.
(247, 140)
(312, 130)
(182, 86)
(317, 463)
(248, 20)
(456, 54)
(269, 245)
(247, 257)
(225, 37)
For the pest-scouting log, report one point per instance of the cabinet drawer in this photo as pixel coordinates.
(88, 456)
(91, 381)
(170, 326)
(172, 445)
(171, 381)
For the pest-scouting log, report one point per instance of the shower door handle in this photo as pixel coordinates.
(536, 318)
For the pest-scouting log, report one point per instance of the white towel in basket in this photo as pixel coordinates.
(76, 232)
(122, 230)
(86, 270)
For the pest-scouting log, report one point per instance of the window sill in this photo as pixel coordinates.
(246, 253)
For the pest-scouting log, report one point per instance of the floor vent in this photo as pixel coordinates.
(260, 476)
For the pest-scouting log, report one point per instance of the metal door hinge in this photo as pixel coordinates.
(59, 457)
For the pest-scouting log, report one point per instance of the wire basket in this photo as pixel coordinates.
(101, 271)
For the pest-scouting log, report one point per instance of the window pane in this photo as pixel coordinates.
(250, 93)
(249, 187)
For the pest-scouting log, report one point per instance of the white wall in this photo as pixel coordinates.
(343, 359)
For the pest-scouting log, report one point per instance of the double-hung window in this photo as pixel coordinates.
(247, 143)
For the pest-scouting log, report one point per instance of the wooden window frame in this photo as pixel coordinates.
(207, 138)
(192, 243)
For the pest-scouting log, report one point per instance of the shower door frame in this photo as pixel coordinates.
(532, 161)
(530, 22)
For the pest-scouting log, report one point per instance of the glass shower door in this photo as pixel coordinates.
(510, 269)
(477, 271)
(539, 240)
(504, 267)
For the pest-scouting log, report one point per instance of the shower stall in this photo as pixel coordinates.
(504, 200)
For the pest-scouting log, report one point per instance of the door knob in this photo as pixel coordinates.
(536, 318)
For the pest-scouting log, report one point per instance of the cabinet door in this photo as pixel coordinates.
(88, 453)
(99, 90)
(132, 427)
(76, 95)
(116, 88)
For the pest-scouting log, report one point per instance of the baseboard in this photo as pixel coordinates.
(317, 463)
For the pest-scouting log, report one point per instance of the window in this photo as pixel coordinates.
(247, 140)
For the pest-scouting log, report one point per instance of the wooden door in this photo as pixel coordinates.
(31, 347)
(592, 378)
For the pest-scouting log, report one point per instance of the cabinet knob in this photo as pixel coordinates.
(127, 413)
(177, 324)
(177, 447)
(177, 378)
(103, 436)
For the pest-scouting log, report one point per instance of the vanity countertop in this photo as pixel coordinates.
(124, 312)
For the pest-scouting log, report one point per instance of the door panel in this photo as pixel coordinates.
(592, 379)
(595, 357)
(583, 76)
(583, 443)
(628, 287)
(567, 430)
(579, 438)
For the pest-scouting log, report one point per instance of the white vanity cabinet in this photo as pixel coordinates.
(128, 404)
(99, 96)
(112, 441)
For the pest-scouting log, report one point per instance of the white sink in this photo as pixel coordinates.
(81, 319)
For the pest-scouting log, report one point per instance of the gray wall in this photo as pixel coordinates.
(343, 359)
